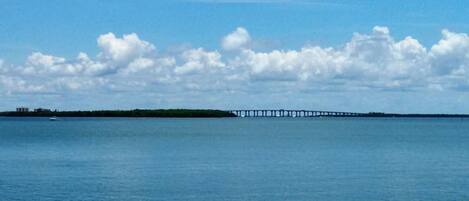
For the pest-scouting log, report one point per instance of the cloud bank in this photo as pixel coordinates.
(373, 61)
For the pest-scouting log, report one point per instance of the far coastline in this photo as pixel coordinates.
(161, 113)
(211, 113)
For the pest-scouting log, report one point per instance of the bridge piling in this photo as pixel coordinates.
(291, 113)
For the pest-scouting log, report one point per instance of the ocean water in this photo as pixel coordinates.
(234, 159)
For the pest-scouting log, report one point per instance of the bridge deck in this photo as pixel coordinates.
(291, 113)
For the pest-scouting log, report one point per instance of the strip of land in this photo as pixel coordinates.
(197, 113)
(177, 113)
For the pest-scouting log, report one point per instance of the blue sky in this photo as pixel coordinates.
(43, 38)
(66, 27)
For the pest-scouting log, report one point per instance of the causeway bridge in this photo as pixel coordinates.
(292, 113)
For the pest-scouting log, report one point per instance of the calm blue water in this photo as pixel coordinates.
(234, 159)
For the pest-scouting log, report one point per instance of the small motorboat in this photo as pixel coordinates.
(54, 118)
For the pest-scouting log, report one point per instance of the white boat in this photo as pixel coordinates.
(53, 118)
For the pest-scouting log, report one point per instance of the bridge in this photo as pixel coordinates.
(292, 113)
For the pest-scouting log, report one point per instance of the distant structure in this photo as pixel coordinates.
(41, 110)
(22, 109)
(292, 113)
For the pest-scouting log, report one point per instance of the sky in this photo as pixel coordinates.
(357, 56)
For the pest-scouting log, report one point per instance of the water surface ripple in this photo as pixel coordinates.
(234, 159)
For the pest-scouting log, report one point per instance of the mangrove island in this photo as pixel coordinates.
(177, 113)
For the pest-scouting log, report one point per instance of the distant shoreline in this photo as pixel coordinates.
(161, 113)
(200, 113)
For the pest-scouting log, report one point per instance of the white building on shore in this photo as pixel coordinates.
(22, 109)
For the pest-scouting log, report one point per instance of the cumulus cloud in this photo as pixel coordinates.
(127, 54)
(40, 63)
(125, 49)
(451, 53)
(39, 59)
(290, 65)
(196, 60)
(19, 85)
(139, 64)
(369, 61)
(236, 40)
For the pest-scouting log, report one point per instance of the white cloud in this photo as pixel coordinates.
(77, 83)
(307, 63)
(166, 61)
(39, 63)
(89, 66)
(127, 53)
(451, 53)
(139, 64)
(369, 61)
(39, 59)
(123, 50)
(378, 57)
(199, 60)
(19, 85)
(236, 40)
